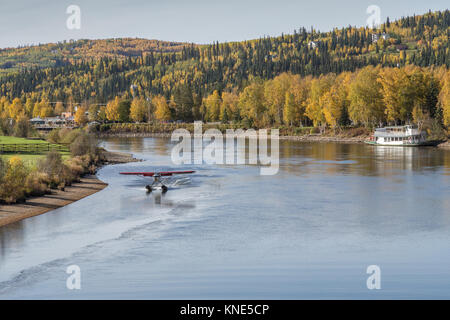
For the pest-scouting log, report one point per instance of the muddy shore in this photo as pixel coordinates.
(57, 199)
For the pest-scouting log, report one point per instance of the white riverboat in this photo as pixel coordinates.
(403, 136)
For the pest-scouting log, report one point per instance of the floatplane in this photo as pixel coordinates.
(157, 183)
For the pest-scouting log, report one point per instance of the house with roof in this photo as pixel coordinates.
(313, 44)
(378, 36)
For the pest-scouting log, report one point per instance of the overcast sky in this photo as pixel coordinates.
(200, 21)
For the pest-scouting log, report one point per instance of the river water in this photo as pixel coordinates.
(309, 232)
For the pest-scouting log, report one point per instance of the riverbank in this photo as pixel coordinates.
(339, 138)
(306, 138)
(118, 157)
(39, 205)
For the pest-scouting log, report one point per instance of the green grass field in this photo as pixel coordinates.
(15, 140)
(30, 159)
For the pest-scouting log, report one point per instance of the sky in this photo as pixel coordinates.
(24, 22)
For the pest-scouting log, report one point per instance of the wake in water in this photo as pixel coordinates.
(134, 234)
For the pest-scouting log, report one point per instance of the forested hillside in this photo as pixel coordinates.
(187, 75)
(65, 53)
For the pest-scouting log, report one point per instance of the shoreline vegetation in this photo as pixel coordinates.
(306, 134)
(305, 138)
(87, 185)
(10, 213)
(45, 172)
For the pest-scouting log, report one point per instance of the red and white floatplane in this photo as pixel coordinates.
(157, 183)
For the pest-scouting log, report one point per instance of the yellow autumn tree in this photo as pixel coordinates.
(139, 110)
(46, 111)
(229, 108)
(112, 110)
(396, 89)
(366, 99)
(16, 109)
(275, 96)
(314, 108)
(251, 104)
(59, 108)
(42, 109)
(162, 111)
(335, 101)
(212, 104)
(444, 98)
(80, 116)
(289, 108)
(4, 105)
(11, 184)
(29, 105)
(300, 90)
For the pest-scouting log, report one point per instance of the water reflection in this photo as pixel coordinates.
(357, 159)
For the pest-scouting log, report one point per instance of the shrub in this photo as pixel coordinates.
(3, 169)
(53, 166)
(22, 127)
(69, 136)
(84, 144)
(68, 176)
(6, 127)
(36, 184)
(434, 130)
(12, 185)
(314, 130)
(54, 136)
(76, 167)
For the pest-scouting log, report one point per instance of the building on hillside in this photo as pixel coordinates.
(378, 36)
(313, 44)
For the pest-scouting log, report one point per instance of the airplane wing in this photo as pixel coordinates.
(151, 174)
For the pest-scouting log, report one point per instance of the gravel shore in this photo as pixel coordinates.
(57, 199)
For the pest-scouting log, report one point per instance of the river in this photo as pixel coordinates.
(226, 232)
